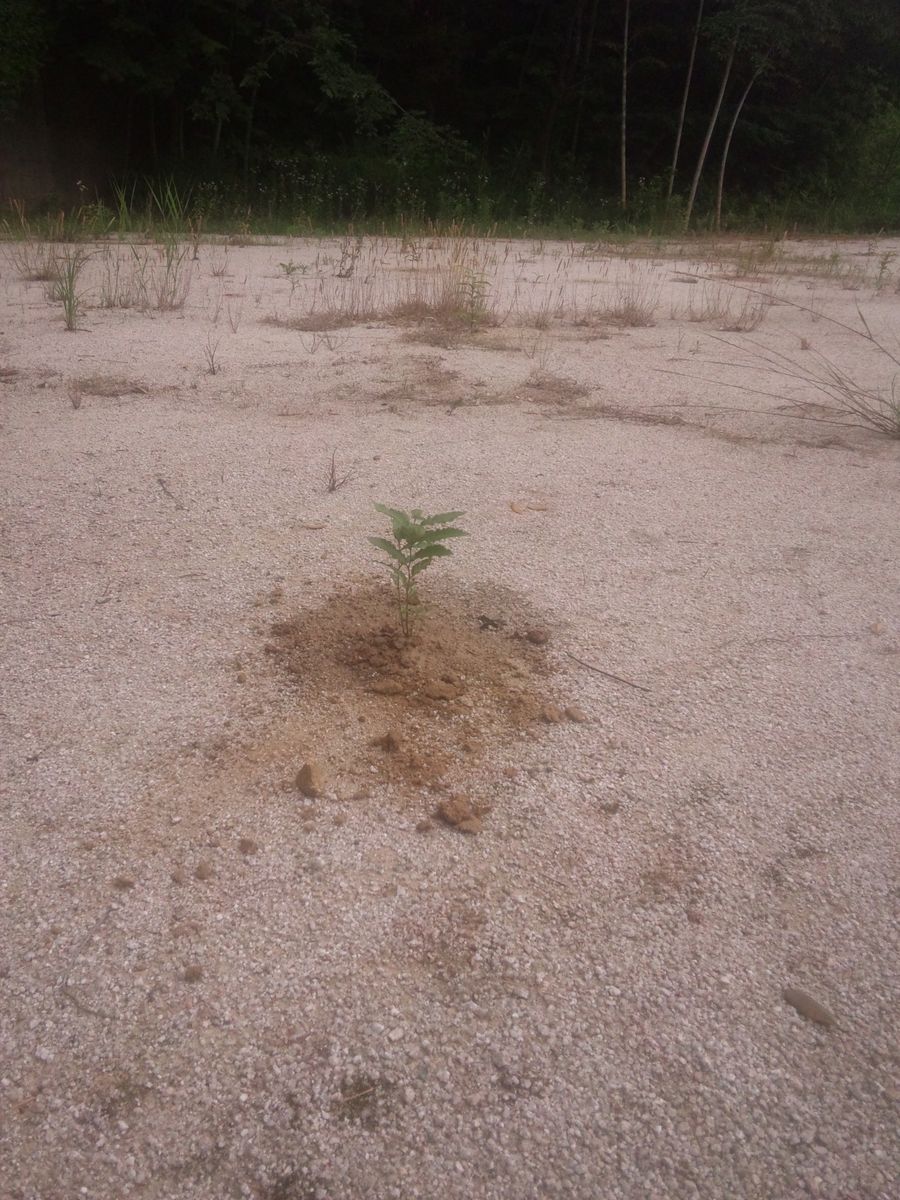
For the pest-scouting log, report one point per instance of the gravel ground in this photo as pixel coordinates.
(213, 987)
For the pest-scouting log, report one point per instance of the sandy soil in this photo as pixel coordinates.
(214, 986)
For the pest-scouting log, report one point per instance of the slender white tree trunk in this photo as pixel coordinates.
(734, 120)
(624, 143)
(701, 160)
(684, 100)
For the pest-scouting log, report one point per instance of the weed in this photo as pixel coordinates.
(290, 268)
(68, 267)
(852, 404)
(721, 306)
(219, 261)
(417, 542)
(172, 279)
(335, 479)
(210, 351)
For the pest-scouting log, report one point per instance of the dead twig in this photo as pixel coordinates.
(608, 674)
(357, 1095)
(167, 490)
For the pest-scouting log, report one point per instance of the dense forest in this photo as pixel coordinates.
(584, 113)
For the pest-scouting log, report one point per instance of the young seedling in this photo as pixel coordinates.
(417, 541)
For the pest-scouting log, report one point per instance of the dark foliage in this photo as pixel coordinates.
(461, 109)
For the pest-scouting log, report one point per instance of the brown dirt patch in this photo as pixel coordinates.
(546, 388)
(108, 387)
(415, 713)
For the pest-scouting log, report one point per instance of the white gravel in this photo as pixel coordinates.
(583, 1001)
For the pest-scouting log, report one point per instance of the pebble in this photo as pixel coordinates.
(311, 779)
(807, 1006)
(203, 870)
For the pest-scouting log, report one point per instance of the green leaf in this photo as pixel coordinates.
(442, 518)
(393, 513)
(430, 552)
(438, 535)
(388, 547)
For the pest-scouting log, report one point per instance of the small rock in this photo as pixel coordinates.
(459, 812)
(538, 637)
(124, 883)
(424, 826)
(574, 713)
(241, 677)
(192, 973)
(388, 687)
(516, 507)
(440, 691)
(203, 870)
(610, 807)
(390, 741)
(807, 1007)
(396, 1034)
(311, 779)
(247, 846)
(511, 772)
(179, 875)
(552, 714)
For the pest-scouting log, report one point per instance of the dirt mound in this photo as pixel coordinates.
(422, 709)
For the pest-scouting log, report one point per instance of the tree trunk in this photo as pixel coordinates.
(588, 53)
(734, 120)
(248, 135)
(624, 139)
(726, 75)
(154, 149)
(684, 101)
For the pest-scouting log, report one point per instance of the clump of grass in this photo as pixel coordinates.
(335, 478)
(851, 402)
(722, 306)
(210, 354)
(171, 280)
(554, 389)
(630, 311)
(68, 265)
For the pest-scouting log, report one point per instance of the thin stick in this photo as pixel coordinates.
(165, 487)
(609, 675)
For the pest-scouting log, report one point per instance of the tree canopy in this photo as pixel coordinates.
(461, 107)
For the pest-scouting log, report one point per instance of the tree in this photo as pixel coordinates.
(623, 160)
(684, 101)
(23, 38)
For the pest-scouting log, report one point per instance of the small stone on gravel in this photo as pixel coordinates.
(124, 883)
(203, 870)
(459, 812)
(247, 846)
(311, 779)
(807, 1006)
